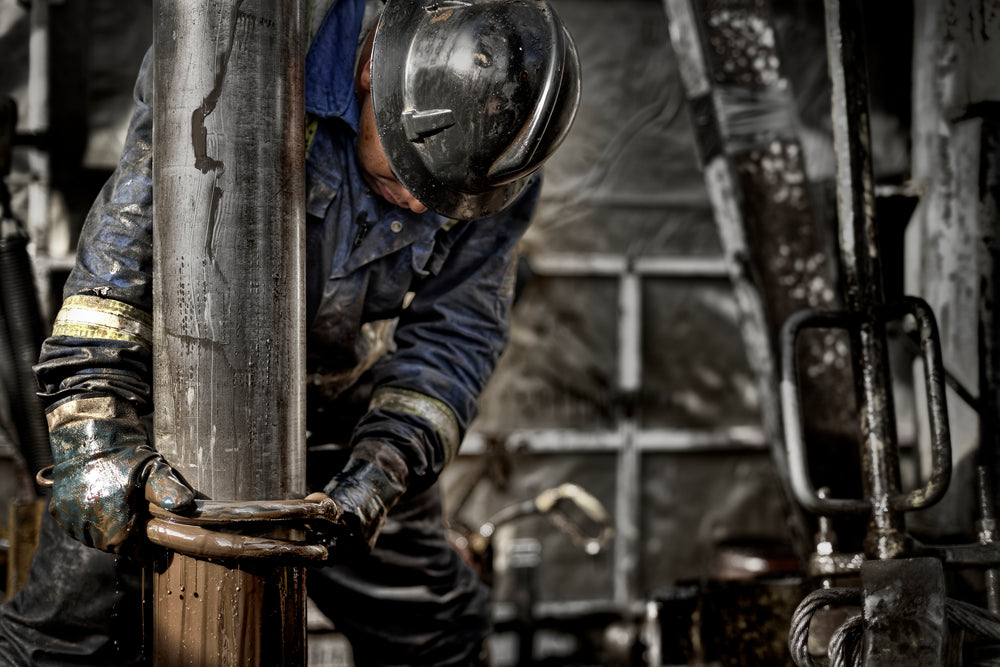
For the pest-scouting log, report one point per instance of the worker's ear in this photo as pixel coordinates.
(365, 76)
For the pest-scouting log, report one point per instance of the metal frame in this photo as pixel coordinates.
(627, 440)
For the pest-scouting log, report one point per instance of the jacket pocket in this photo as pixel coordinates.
(320, 193)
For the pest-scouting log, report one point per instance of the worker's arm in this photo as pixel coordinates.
(448, 341)
(95, 368)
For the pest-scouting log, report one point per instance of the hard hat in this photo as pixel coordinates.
(471, 97)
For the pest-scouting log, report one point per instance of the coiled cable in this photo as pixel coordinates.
(798, 637)
(846, 644)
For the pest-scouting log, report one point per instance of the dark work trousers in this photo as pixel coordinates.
(412, 601)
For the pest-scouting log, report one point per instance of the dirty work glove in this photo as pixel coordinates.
(365, 490)
(104, 469)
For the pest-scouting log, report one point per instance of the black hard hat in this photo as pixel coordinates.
(471, 97)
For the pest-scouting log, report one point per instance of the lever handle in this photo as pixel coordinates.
(547, 503)
(930, 346)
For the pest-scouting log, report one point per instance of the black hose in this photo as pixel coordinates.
(8, 374)
(21, 319)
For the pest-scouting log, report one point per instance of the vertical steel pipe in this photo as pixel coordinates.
(988, 404)
(628, 480)
(37, 122)
(862, 276)
(229, 309)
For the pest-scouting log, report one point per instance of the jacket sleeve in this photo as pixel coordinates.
(101, 337)
(448, 341)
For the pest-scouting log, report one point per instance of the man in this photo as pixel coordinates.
(413, 217)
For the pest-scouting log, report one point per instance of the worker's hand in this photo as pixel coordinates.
(104, 469)
(365, 492)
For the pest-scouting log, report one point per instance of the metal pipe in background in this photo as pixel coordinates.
(229, 321)
(37, 123)
(862, 276)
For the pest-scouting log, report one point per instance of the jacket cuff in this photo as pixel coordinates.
(91, 424)
(431, 410)
(386, 457)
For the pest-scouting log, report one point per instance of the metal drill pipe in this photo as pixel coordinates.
(862, 275)
(229, 309)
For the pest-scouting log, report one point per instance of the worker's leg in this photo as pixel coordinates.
(413, 601)
(80, 606)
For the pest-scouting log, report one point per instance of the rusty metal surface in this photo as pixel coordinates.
(862, 276)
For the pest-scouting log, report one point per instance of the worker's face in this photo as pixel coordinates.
(374, 163)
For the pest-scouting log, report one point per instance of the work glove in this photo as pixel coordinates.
(104, 470)
(365, 490)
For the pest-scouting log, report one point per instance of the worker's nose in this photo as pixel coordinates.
(414, 205)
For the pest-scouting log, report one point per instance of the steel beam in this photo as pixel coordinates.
(229, 309)
(37, 123)
(746, 129)
(647, 441)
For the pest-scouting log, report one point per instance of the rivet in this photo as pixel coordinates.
(396, 226)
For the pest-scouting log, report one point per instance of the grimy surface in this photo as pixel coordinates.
(212, 614)
(228, 311)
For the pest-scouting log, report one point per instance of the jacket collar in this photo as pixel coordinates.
(329, 72)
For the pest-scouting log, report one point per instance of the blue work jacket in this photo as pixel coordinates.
(418, 300)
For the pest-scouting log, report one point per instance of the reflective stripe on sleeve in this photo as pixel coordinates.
(93, 317)
(414, 403)
(89, 409)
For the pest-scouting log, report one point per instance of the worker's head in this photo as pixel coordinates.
(463, 100)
